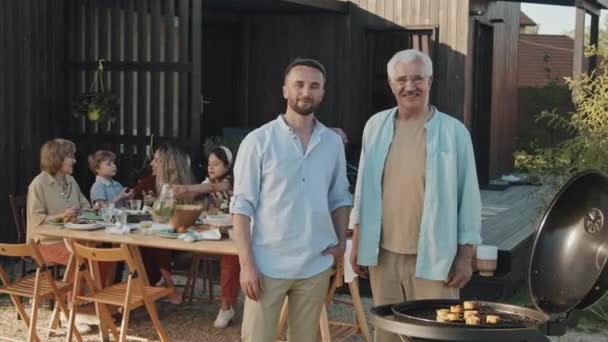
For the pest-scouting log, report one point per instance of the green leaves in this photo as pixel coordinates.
(587, 129)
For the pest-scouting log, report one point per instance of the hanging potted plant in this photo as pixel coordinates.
(96, 105)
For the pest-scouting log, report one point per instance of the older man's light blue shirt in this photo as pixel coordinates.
(290, 194)
(451, 213)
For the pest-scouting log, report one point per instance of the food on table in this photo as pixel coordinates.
(456, 309)
(145, 224)
(492, 319)
(453, 317)
(472, 320)
(72, 219)
(469, 305)
(180, 229)
(470, 313)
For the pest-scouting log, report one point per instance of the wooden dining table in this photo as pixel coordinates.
(134, 240)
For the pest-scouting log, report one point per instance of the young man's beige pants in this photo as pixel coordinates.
(306, 297)
(393, 280)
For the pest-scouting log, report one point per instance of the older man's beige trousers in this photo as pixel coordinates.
(306, 297)
(393, 280)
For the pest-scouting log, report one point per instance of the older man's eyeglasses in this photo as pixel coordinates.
(415, 80)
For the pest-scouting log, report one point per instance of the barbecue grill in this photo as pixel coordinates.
(566, 274)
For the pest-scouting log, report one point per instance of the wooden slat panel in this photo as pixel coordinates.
(135, 65)
(90, 49)
(142, 77)
(425, 14)
(169, 76)
(195, 82)
(184, 23)
(155, 26)
(32, 92)
(415, 10)
(399, 12)
(5, 112)
(388, 10)
(142, 55)
(129, 87)
(103, 48)
(116, 50)
(380, 8)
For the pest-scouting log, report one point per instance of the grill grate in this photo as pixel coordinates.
(428, 313)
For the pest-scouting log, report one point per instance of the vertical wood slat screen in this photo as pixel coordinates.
(152, 54)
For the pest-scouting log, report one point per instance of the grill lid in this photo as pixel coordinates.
(567, 267)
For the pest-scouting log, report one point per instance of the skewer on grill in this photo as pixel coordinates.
(456, 309)
(453, 317)
(469, 305)
(470, 313)
(492, 319)
(472, 320)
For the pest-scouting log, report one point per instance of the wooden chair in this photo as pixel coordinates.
(334, 330)
(204, 263)
(18, 207)
(40, 287)
(129, 295)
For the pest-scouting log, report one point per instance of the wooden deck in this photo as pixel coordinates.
(509, 216)
(509, 219)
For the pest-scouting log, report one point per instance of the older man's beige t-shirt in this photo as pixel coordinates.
(403, 186)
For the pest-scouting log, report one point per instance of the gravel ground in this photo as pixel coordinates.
(195, 323)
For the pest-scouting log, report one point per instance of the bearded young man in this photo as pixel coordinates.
(291, 205)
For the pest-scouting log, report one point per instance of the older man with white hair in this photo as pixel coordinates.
(417, 210)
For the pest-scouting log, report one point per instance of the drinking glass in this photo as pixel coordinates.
(107, 213)
(121, 217)
(135, 204)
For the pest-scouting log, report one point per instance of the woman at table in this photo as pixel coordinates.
(54, 194)
(218, 186)
(170, 165)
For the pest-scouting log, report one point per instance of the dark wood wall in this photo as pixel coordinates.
(275, 40)
(454, 68)
(504, 18)
(353, 46)
(153, 62)
(451, 19)
(32, 92)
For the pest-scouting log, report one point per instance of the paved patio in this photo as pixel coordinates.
(194, 323)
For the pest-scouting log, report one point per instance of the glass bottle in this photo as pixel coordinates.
(164, 205)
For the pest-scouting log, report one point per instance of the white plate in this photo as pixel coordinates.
(134, 212)
(221, 220)
(86, 226)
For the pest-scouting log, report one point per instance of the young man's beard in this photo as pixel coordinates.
(293, 104)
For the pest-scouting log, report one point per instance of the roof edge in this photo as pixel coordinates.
(328, 5)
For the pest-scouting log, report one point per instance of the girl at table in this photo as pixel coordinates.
(170, 165)
(218, 187)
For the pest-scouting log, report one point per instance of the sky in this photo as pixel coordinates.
(554, 19)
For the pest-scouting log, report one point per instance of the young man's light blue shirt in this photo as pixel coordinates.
(290, 194)
(105, 190)
(451, 213)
